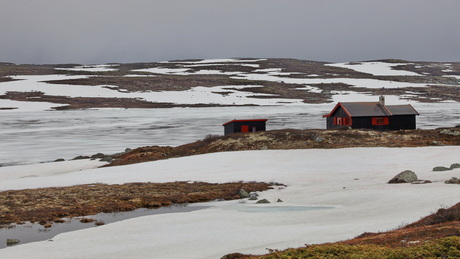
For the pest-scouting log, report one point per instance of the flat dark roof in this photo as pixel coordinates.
(232, 121)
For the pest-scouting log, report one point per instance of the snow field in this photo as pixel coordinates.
(349, 184)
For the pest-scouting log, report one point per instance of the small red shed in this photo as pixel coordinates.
(235, 126)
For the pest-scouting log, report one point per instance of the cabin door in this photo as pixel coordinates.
(244, 128)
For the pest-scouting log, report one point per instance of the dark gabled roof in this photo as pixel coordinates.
(232, 121)
(402, 109)
(365, 109)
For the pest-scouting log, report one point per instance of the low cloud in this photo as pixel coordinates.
(53, 31)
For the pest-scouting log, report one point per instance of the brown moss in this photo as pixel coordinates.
(45, 205)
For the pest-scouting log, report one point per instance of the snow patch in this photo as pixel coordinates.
(228, 60)
(91, 68)
(376, 68)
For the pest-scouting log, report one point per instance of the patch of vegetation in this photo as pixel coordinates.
(291, 139)
(73, 103)
(448, 247)
(45, 205)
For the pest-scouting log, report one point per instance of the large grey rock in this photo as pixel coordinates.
(81, 157)
(106, 159)
(441, 168)
(404, 177)
(98, 155)
(453, 180)
(253, 196)
(243, 194)
(454, 166)
(263, 201)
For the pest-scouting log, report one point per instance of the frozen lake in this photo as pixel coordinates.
(40, 136)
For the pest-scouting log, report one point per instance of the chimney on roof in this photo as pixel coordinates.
(382, 100)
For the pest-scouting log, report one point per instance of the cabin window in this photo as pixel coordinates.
(342, 121)
(337, 121)
(378, 121)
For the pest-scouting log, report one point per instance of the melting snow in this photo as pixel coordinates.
(356, 82)
(351, 187)
(206, 61)
(376, 68)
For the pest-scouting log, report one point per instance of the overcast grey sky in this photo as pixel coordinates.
(100, 31)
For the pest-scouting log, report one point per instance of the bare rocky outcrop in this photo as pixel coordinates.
(453, 180)
(404, 177)
(263, 201)
(454, 166)
(441, 169)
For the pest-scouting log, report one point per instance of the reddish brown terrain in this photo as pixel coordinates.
(48, 205)
(295, 139)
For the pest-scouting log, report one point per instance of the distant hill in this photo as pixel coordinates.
(228, 82)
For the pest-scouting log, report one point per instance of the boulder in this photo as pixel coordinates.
(404, 177)
(441, 168)
(454, 166)
(453, 180)
(106, 159)
(80, 157)
(98, 155)
(243, 194)
(253, 196)
(279, 200)
(263, 201)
